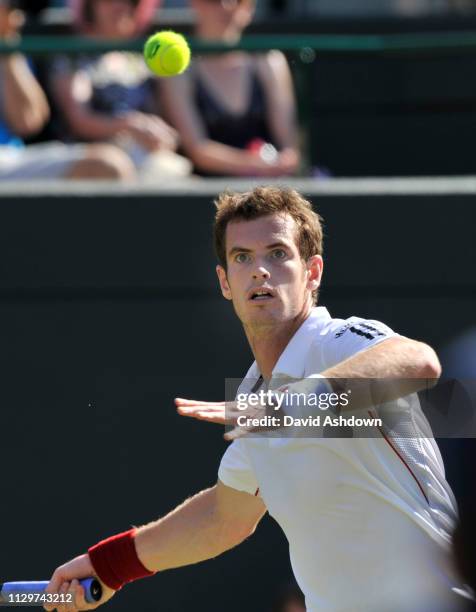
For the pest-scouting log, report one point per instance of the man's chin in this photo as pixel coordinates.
(264, 313)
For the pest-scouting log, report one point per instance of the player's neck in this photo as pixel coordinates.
(268, 343)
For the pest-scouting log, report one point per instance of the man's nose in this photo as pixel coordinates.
(260, 272)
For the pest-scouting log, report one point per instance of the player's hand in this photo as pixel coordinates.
(150, 131)
(227, 413)
(65, 579)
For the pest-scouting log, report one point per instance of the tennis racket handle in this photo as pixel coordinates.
(92, 588)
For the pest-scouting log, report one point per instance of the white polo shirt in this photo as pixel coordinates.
(368, 520)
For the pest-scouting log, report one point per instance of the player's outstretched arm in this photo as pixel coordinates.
(396, 357)
(201, 528)
(391, 369)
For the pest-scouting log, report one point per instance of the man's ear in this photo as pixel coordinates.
(315, 267)
(224, 286)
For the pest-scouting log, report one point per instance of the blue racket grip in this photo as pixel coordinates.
(92, 589)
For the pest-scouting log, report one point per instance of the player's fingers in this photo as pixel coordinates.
(211, 414)
(193, 410)
(190, 412)
(65, 597)
(55, 583)
(205, 415)
(74, 600)
(234, 434)
(211, 417)
(53, 588)
(79, 596)
(180, 401)
(58, 597)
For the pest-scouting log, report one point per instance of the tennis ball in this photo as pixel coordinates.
(167, 53)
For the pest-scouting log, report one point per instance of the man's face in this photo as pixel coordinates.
(11, 20)
(114, 17)
(225, 12)
(266, 278)
(4, 16)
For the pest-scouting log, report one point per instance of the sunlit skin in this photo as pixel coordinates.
(263, 253)
(113, 18)
(222, 20)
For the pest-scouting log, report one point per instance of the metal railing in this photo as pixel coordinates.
(320, 43)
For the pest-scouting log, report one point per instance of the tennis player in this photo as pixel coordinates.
(368, 519)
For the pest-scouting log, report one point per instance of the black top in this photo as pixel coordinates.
(227, 127)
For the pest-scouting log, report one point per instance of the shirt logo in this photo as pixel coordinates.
(360, 329)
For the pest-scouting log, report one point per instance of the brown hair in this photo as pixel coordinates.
(262, 201)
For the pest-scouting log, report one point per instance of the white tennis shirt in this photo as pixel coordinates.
(368, 520)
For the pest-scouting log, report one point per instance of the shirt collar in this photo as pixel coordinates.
(292, 361)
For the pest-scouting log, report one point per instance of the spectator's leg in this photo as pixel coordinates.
(103, 162)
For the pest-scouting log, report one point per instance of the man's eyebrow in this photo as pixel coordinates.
(277, 244)
(239, 249)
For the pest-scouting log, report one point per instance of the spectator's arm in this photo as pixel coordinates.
(25, 105)
(206, 154)
(72, 93)
(280, 99)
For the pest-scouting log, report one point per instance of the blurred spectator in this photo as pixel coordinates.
(112, 97)
(33, 7)
(235, 112)
(289, 599)
(459, 356)
(464, 537)
(24, 111)
(458, 359)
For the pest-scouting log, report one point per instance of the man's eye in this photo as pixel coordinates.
(279, 254)
(242, 258)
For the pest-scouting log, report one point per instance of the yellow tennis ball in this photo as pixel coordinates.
(167, 53)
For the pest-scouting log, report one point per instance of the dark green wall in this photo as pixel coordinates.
(393, 115)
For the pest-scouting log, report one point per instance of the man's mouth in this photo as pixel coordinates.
(261, 295)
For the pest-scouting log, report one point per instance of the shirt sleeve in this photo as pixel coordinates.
(236, 471)
(346, 338)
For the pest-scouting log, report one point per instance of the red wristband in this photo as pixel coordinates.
(115, 560)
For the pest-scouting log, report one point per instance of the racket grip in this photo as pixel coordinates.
(92, 588)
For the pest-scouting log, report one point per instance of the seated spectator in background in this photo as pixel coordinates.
(289, 599)
(227, 106)
(458, 359)
(24, 111)
(112, 97)
(33, 8)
